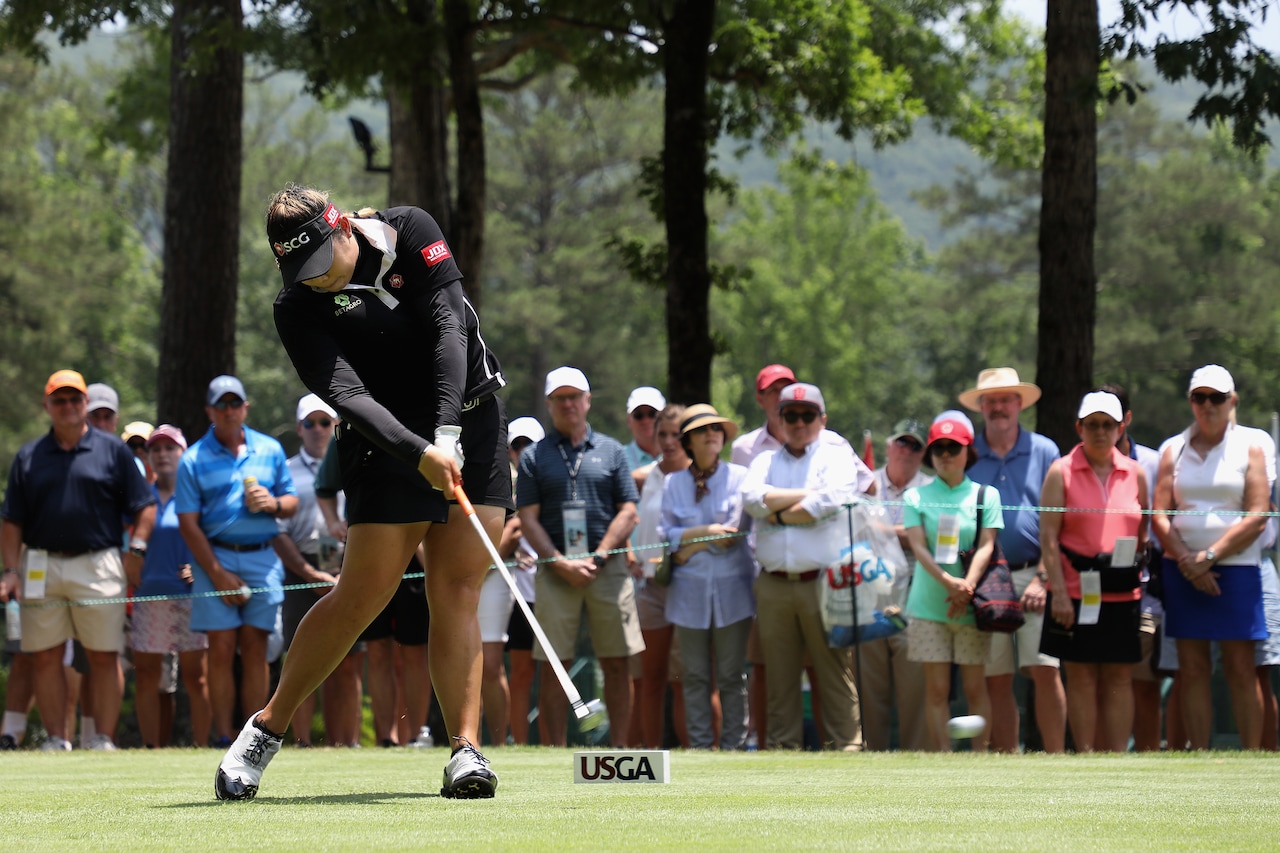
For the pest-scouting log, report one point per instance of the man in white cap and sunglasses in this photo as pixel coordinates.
(577, 505)
(1016, 460)
(796, 493)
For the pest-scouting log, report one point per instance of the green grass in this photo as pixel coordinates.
(374, 799)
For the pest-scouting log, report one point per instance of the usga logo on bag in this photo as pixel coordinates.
(630, 765)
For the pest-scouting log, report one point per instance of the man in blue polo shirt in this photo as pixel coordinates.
(577, 501)
(1015, 461)
(68, 494)
(232, 486)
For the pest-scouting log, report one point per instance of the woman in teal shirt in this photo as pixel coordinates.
(940, 520)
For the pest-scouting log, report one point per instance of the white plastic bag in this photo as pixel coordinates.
(871, 574)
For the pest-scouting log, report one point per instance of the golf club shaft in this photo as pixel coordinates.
(578, 707)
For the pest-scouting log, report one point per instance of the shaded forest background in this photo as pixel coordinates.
(888, 277)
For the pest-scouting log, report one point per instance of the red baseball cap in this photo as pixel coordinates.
(771, 373)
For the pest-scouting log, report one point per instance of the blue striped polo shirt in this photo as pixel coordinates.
(604, 481)
(211, 482)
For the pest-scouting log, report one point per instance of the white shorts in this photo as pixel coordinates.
(496, 602)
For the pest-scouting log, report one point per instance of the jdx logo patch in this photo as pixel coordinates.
(435, 253)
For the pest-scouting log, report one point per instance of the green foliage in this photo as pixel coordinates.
(562, 187)
(837, 291)
(1241, 81)
(1187, 229)
(78, 286)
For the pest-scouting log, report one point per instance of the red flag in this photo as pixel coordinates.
(868, 450)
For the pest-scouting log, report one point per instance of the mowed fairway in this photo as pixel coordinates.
(372, 799)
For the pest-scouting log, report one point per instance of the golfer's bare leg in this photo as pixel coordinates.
(456, 565)
(372, 567)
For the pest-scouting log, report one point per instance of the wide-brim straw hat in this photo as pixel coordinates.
(700, 415)
(996, 380)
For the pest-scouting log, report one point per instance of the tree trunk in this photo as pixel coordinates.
(419, 127)
(467, 236)
(201, 209)
(684, 186)
(1068, 216)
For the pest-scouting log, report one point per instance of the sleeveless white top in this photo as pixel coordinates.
(1212, 484)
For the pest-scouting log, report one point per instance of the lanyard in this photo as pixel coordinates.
(573, 472)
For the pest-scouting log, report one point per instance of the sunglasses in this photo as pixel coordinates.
(1216, 397)
(67, 401)
(808, 416)
(945, 448)
(323, 423)
(909, 444)
(223, 405)
(644, 414)
(711, 427)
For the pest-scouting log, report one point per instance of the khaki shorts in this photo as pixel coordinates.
(610, 602)
(1026, 639)
(87, 577)
(946, 642)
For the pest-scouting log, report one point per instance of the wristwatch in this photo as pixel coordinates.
(600, 560)
(1211, 555)
(138, 547)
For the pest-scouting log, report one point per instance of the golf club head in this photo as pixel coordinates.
(591, 715)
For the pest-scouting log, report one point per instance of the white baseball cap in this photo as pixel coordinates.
(1103, 403)
(646, 395)
(312, 403)
(1213, 376)
(525, 427)
(567, 377)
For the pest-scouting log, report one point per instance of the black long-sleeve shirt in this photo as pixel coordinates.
(397, 352)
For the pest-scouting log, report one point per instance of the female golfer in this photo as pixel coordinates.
(373, 317)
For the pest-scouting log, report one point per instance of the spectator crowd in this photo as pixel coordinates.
(689, 557)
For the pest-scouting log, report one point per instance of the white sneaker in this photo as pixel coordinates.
(101, 742)
(241, 768)
(467, 775)
(424, 739)
(56, 744)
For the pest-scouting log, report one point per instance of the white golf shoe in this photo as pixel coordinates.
(241, 768)
(56, 744)
(467, 775)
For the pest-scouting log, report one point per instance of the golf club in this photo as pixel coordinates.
(580, 708)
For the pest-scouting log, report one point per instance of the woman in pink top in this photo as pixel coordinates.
(1076, 549)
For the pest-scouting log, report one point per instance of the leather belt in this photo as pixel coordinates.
(1027, 565)
(241, 549)
(67, 555)
(797, 576)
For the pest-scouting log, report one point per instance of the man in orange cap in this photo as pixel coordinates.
(69, 491)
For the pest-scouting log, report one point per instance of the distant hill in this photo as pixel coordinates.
(925, 160)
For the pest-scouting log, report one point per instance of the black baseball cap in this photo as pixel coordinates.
(307, 252)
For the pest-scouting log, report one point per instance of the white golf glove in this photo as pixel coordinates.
(449, 442)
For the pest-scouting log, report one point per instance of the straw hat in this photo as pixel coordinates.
(995, 380)
(701, 415)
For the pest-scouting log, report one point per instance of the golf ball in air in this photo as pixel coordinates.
(966, 727)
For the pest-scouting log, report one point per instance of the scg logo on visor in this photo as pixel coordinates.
(288, 246)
